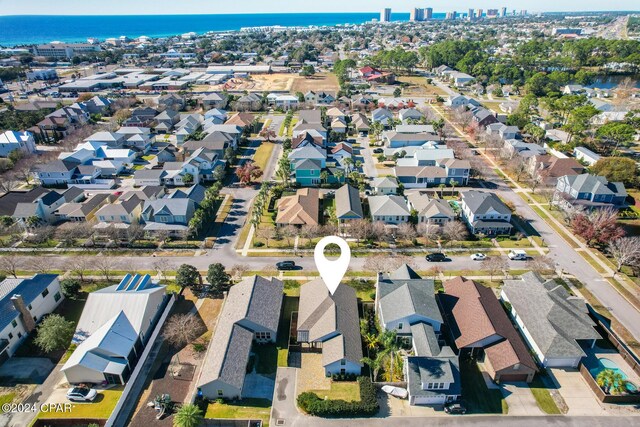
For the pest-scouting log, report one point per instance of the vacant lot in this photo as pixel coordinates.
(319, 82)
(418, 86)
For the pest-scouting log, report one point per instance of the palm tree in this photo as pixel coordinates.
(611, 382)
(374, 364)
(372, 340)
(441, 186)
(324, 177)
(452, 183)
(390, 345)
(349, 163)
(188, 415)
(339, 175)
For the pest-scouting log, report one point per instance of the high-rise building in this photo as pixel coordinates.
(416, 14)
(428, 13)
(470, 15)
(523, 12)
(503, 12)
(478, 13)
(385, 15)
(492, 13)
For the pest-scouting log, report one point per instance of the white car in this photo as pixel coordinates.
(81, 394)
(478, 257)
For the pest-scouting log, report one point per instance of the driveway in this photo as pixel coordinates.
(576, 393)
(520, 399)
(284, 399)
(32, 370)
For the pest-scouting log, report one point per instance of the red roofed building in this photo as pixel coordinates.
(371, 74)
(480, 326)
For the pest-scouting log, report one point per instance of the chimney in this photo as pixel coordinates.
(27, 318)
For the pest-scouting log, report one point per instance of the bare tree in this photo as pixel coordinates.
(495, 265)
(38, 264)
(266, 233)
(8, 183)
(105, 264)
(406, 231)
(435, 271)
(9, 264)
(360, 229)
(463, 117)
(309, 231)
(182, 329)
(379, 230)
(625, 251)
(162, 267)
(518, 165)
(541, 264)
(288, 232)
(78, 266)
(455, 230)
(429, 231)
(238, 270)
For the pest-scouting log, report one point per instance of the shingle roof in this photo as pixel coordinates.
(301, 208)
(388, 205)
(554, 319)
(479, 315)
(348, 202)
(334, 316)
(29, 289)
(481, 202)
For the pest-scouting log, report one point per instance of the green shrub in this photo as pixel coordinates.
(312, 404)
(258, 244)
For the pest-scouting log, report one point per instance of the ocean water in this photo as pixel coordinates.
(21, 30)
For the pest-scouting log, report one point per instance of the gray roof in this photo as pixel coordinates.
(430, 208)
(29, 289)
(425, 341)
(348, 202)
(481, 202)
(424, 370)
(594, 184)
(403, 297)
(388, 205)
(386, 182)
(254, 301)
(554, 319)
(332, 318)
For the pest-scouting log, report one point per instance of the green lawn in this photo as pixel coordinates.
(345, 390)
(6, 398)
(479, 399)
(263, 154)
(521, 243)
(100, 408)
(289, 305)
(542, 396)
(247, 409)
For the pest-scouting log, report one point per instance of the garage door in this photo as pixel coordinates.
(428, 400)
(513, 378)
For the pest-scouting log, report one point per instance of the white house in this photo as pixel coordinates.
(114, 327)
(12, 140)
(585, 155)
(23, 303)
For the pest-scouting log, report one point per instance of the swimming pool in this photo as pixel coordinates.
(604, 363)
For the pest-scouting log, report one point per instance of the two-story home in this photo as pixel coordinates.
(383, 116)
(548, 168)
(330, 322)
(23, 303)
(431, 211)
(384, 185)
(390, 209)
(485, 213)
(20, 141)
(589, 191)
(348, 205)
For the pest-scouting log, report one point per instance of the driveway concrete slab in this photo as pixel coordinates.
(576, 393)
(520, 399)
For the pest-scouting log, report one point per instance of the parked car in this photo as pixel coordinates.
(82, 394)
(286, 265)
(437, 257)
(455, 408)
(478, 257)
(518, 255)
(378, 151)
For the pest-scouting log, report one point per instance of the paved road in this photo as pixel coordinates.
(476, 421)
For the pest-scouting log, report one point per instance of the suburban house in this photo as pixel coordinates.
(115, 325)
(330, 323)
(555, 324)
(303, 208)
(38, 202)
(585, 155)
(372, 75)
(485, 213)
(409, 114)
(517, 147)
(503, 131)
(412, 172)
(360, 123)
(394, 139)
(406, 303)
(589, 191)
(385, 185)
(549, 168)
(169, 214)
(390, 209)
(249, 102)
(122, 214)
(83, 211)
(251, 313)
(348, 204)
(214, 100)
(55, 172)
(481, 328)
(12, 141)
(383, 116)
(23, 303)
(431, 211)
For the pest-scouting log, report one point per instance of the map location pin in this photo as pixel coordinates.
(332, 272)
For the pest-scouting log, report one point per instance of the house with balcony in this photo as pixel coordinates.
(21, 141)
(390, 209)
(485, 213)
(589, 191)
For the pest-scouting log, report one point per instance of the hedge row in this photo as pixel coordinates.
(312, 404)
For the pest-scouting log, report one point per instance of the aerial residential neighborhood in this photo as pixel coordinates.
(164, 200)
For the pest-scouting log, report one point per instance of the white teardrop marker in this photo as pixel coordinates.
(332, 272)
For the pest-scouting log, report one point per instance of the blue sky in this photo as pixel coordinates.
(145, 7)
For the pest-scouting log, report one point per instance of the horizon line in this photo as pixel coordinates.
(305, 13)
